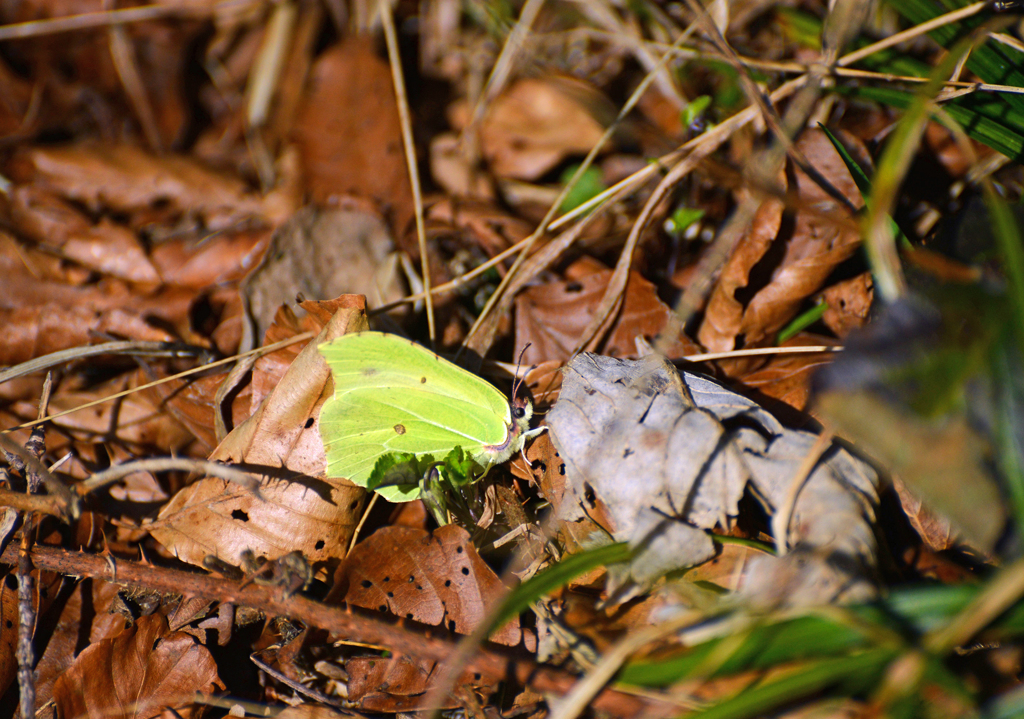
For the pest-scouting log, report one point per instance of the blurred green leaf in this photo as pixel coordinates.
(681, 219)
(802, 322)
(983, 118)
(694, 109)
(857, 671)
(993, 62)
(1006, 361)
(995, 119)
(589, 186)
(893, 624)
(800, 27)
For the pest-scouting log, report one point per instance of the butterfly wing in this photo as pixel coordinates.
(392, 395)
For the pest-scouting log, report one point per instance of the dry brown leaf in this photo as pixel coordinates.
(437, 579)
(35, 331)
(485, 225)
(271, 368)
(51, 307)
(392, 684)
(134, 420)
(544, 379)
(89, 91)
(936, 531)
(200, 263)
(8, 639)
(580, 608)
(724, 312)
(348, 132)
(787, 377)
(20, 258)
(137, 487)
(548, 471)
(84, 618)
(102, 246)
(137, 674)
(310, 711)
(552, 317)
(127, 180)
(234, 48)
(752, 300)
(453, 170)
(17, 93)
(226, 310)
(163, 66)
(112, 250)
(816, 249)
(46, 590)
(298, 509)
(848, 303)
(536, 123)
(191, 402)
(662, 112)
(399, 684)
(940, 146)
(726, 568)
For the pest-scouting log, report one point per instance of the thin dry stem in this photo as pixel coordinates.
(123, 53)
(106, 18)
(266, 70)
(246, 479)
(195, 370)
(402, 100)
(781, 520)
(503, 291)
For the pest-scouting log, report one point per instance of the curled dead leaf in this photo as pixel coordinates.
(137, 674)
(297, 508)
(777, 265)
(691, 447)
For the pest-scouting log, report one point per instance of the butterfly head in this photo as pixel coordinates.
(522, 411)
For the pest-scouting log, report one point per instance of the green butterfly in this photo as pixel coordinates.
(392, 395)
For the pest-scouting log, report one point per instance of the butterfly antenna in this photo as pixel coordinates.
(518, 381)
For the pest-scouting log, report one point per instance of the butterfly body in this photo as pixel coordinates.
(393, 395)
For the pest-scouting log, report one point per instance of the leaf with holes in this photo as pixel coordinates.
(434, 578)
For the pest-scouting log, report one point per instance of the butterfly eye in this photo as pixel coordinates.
(518, 412)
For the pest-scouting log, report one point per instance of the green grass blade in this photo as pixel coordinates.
(558, 576)
(860, 669)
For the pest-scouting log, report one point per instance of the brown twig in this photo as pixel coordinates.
(26, 624)
(42, 503)
(357, 625)
(71, 504)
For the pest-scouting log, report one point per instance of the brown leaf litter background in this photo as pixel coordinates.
(220, 177)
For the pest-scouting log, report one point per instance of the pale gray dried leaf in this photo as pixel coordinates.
(805, 577)
(319, 253)
(670, 454)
